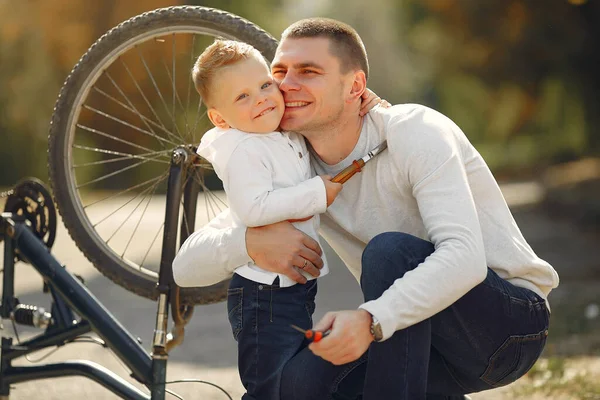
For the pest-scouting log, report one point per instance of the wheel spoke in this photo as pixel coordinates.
(151, 246)
(187, 103)
(113, 174)
(116, 86)
(140, 219)
(162, 99)
(143, 192)
(146, 119)
(176, 97)
(210, 193)
(159, 178)
(210, 199)
(141, 92)
(174, 88)
(94, 110)
(198, 116)
(118, 153)
(111, 137)
(112, 160)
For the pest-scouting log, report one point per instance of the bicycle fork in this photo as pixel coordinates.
(165, 280)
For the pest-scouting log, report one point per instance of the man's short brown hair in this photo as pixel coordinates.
(216, 56)
(345, 43)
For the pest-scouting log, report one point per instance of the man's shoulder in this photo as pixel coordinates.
(414, 130)
(407, 120)
(410, 114)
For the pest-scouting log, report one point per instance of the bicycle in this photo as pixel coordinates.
(108, 129)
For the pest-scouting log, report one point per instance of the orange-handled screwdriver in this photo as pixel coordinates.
(310, 334)
(357, 165)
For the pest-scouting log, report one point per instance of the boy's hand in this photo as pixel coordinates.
(331, 188)
(371, 100)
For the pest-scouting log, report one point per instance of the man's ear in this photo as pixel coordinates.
(359, 85)
(217, 119)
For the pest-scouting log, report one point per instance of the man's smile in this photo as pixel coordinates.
(296, 104)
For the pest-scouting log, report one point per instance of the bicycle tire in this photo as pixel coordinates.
(78, 85)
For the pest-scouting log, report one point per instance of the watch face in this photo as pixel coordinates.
(376, 330)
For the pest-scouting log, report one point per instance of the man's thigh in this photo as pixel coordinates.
(309, 377)
(488, 338)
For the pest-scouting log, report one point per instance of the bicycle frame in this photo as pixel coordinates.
(69, 294)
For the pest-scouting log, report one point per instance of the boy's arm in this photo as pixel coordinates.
(212, 253)
(257, 203)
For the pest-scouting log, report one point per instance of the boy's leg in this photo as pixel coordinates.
(260, 317)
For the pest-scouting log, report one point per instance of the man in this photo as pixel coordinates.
(455, 298)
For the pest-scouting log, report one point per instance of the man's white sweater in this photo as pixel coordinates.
(431, 183)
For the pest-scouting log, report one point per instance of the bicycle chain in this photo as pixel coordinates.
(7, 193)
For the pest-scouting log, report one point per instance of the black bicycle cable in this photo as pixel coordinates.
(100, 342)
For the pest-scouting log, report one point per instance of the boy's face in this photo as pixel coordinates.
(246, 98)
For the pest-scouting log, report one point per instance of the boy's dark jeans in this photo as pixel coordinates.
(260, 316)
(488, 338)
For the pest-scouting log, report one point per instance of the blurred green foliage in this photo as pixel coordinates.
(519, 77)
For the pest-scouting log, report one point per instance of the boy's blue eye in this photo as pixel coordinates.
(242, 96)
(266, 85)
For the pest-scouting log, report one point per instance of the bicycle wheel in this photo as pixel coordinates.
(127, 104)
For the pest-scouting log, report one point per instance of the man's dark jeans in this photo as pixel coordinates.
(488, 338)
(260, 316)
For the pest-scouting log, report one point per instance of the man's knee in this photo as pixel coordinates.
(387, 257)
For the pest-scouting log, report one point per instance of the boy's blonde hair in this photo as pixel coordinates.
(216, 56)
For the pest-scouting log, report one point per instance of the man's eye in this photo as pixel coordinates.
(278, 72)
(242, 96)
(308, 71)
(266, 85)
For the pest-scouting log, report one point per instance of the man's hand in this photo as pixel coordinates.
(370, 100)
(350, 336)
(283, 249)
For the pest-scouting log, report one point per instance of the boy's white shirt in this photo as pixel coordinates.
(267, 178)
(431, 183)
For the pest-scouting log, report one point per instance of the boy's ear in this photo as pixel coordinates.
(359, 85)
(217, 119)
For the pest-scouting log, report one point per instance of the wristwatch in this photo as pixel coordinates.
(376, 330)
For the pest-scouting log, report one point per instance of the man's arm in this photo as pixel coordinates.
(429, 156)
(212, 253)
(426, 148)
(255, 201)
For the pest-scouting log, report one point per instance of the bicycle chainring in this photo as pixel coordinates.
(31, 200)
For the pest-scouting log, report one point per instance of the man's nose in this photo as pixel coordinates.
(288, 83)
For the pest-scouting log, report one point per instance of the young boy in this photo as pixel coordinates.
(267, 178)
